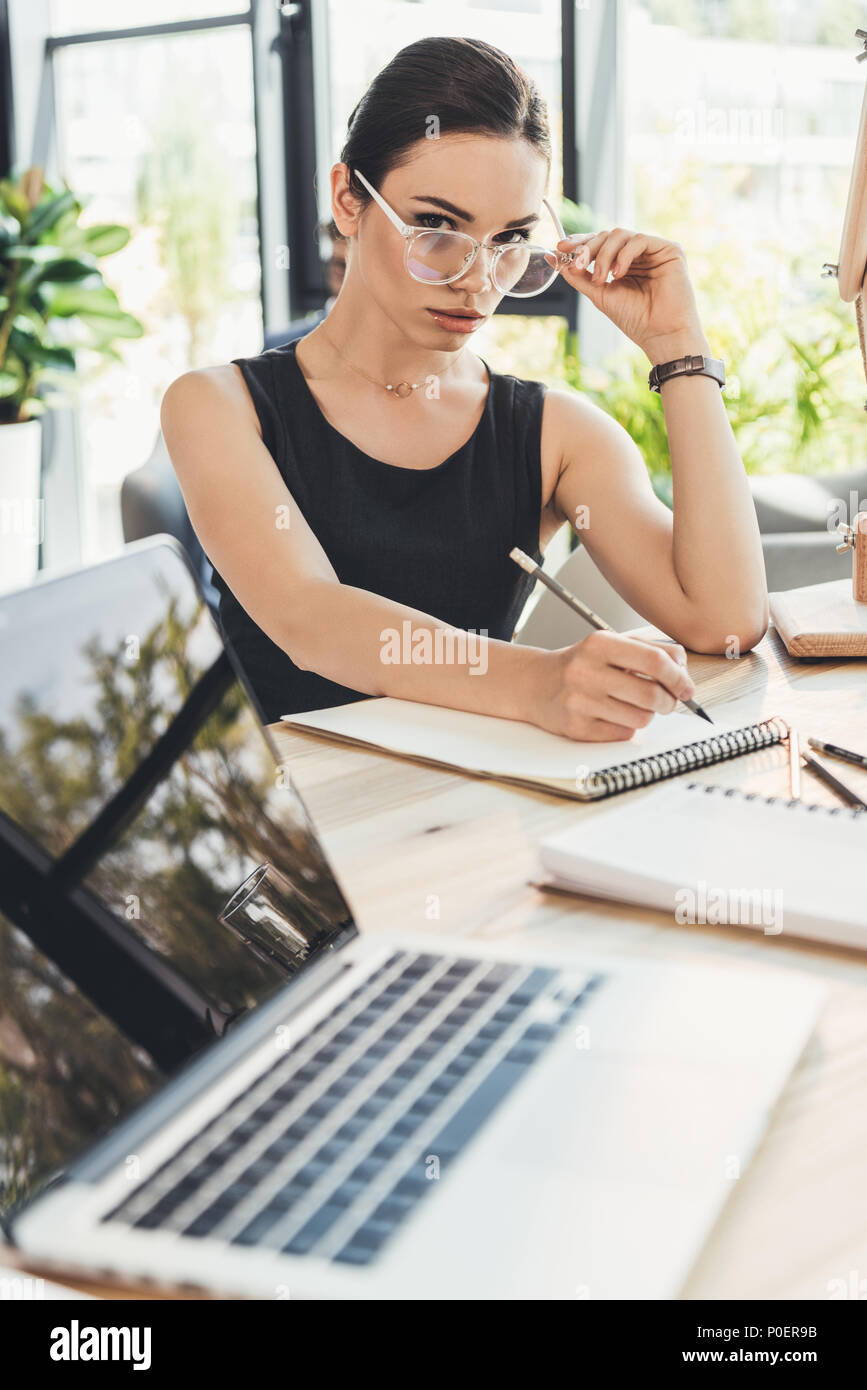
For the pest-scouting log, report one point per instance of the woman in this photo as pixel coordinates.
(371, 479)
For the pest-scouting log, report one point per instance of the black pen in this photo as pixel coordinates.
(522, 559)
(834, 751)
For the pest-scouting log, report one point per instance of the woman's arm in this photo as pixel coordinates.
(698, 574)
(254, 532)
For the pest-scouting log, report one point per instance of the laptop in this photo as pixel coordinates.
(211, 1079)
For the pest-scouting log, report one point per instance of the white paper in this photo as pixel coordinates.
(500, 747)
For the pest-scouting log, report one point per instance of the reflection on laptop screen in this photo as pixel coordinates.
(67, 1074)
(131, 755)
(95, 667)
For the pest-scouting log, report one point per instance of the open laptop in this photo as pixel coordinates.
(209, 1077)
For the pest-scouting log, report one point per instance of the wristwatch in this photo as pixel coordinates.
(687, 366)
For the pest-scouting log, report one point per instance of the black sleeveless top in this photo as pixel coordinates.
(436, 539)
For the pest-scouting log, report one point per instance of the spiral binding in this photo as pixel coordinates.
(788, 802)
(656, 767)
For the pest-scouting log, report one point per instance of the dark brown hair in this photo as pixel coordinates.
(468, 85)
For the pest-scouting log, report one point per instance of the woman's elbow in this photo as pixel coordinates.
(732, 640)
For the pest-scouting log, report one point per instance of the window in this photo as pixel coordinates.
(88, 16)
(158, 133)
(739, 135)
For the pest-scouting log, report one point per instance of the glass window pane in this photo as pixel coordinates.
(740, 130)
(158, 134)
(362, 39)
(89, 16)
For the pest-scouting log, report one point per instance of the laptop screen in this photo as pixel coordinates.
(67, 1072)
(132, 760)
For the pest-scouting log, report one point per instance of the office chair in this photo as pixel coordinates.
(152, 504)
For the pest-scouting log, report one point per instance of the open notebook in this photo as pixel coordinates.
(512, 751)
(721, 856)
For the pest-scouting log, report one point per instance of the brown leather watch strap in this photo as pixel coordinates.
(687, 366)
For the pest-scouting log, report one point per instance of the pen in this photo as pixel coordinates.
(520, 558)
(834, 751)
(794, 765)
(839, 787)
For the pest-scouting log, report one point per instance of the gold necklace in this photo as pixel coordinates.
(403, 388)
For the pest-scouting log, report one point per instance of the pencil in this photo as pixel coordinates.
(522, 559)
(836, 785)
(794, 765)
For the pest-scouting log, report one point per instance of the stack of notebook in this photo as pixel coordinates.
(721, 857)
(512, 751)
(708, 854)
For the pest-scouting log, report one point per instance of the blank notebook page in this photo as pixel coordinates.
(684, 834)
(500, 747)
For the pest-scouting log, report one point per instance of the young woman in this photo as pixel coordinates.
(372, 478)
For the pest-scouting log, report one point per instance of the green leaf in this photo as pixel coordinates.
(75, 300)
(66, 229)
(47, 214)
(13, 200)
(65, 269)
(28, 348)
(117, 325)
(31, 349)
(20, 251)
(63, 358)
(103, 346)
(9, 384)
(29, 313)
(105, 238)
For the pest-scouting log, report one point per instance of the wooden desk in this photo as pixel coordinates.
(409, 842)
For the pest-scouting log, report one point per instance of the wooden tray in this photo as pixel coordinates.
(821, 620)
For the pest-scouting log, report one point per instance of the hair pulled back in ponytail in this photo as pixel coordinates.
(444, 86)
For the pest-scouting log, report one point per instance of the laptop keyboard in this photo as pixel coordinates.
(332, 1147)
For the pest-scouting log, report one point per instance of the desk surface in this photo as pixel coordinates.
(407, 840)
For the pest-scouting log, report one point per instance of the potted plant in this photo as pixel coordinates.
(53, 302)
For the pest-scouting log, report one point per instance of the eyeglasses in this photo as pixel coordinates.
(519, 268)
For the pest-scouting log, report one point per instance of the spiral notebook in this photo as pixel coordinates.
(721, 857)
(512, 751)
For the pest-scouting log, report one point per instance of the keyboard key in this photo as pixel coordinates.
(392, 1210)
(367, 1170)
(476, 1109)
(355, 1255)
(204, 1223)
(528, 989)
(257, 1229)
(320, 1222)
(502, 971)
(372, 1235)
(347, 1192)
(419, 966)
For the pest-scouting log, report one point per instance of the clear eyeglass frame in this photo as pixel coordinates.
(411, 234)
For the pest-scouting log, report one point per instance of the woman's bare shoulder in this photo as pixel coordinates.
(202, 391)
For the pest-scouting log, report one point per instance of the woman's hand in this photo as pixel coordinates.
(651, 297)
(607, 686)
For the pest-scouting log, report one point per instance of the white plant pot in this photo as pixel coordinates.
(21, 507)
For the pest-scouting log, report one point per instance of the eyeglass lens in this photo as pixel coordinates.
(436, 257)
